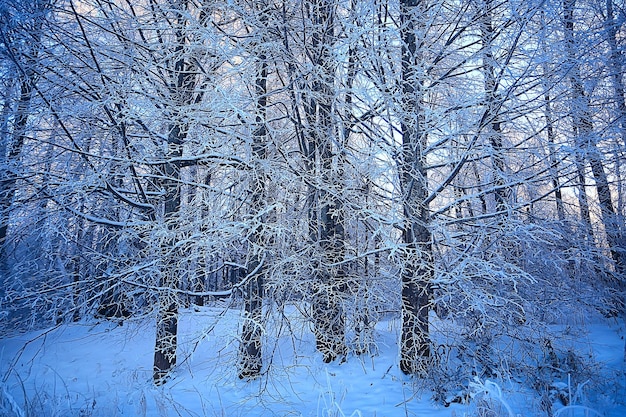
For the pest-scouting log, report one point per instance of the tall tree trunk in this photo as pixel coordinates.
(417, 270)
(547, 113)
(586, 142)
(326, 217)
(167, 312)
(181, 94)
(21, 36)
(250, 361)
(617, 77)
(8, 174)
(579, 160)
(479, 188)
(494, 127)
(362, 328)
(554, 163)
(616, 69)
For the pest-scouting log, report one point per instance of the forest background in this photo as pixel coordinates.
(457, 165)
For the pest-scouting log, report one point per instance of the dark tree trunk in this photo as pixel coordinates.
(181, 94)
(617, 76)
(481, 193)
(326, 215)
(418, 263)
(494, 126)
(22, 40)
(167, 311)
(616, 69)
(586, 143)
(554, 163)
(250, 361)
(166, 337)
(8, 177)
(575, 113)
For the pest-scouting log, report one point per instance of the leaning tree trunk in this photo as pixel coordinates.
(617, 76)
(418, 263)
(586, 142)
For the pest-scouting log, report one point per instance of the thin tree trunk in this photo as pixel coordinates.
(494, 128)
(616, 69)
(554, 163)
(481, 193)
(417, 270)
(617, 77)
(547, 112)
(586, 142)
(579, 160)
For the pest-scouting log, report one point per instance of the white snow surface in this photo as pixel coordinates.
(105, 369)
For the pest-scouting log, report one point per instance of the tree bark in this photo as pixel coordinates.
(494, 127)
(550, 133)
(554, 163)
(250, 360)
(326, 216)
(167, 311)
(181, 94)
(417, 270)
(24, 62)
(8, 179)
(616, 69)
(617, 77)
(586, 142)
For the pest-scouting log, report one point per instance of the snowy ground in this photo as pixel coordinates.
(103, 369)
